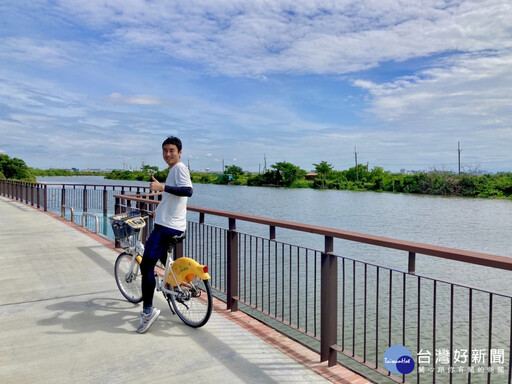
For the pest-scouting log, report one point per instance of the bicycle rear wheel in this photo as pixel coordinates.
(194, 306)
(128, 279)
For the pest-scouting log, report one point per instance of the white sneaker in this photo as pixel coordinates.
(146, 320)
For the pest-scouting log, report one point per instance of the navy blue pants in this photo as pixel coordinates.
(156, 248)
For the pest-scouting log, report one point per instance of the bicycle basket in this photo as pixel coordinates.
(122, 230)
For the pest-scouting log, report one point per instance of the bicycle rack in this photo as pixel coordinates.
(63, 212)
(84, 215)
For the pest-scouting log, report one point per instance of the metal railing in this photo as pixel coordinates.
(351, 310)
(51, 197)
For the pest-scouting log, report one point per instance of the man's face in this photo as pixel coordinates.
(171, 154)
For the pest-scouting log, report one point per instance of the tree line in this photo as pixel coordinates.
(361, 178)
(16, 169)
(288, 175)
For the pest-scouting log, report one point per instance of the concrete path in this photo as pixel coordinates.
(63, 320)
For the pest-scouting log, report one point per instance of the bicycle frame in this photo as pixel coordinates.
(176, 272)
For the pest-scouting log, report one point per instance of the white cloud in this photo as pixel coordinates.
(465, 87)
(53, 53)
(100, 122)
(261, 37)
(135, 99)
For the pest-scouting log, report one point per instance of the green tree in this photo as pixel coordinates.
(381, 180)
(149, 169)
(231, 175)
(270, 177)
(288, 173)
(14, 168)
(233, 170)
(324, 169)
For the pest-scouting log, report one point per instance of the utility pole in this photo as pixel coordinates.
(265, 163)
(223, 169)
(355, 155)
(458, 152)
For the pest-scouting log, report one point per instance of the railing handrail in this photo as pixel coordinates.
(94, 185)
(471, 257)
(73, 184)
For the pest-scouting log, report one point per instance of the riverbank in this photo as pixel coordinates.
(431, 183)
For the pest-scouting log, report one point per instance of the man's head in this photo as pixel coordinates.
(173, 140)
(171, 151)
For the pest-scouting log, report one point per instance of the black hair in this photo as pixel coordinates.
(173, 140)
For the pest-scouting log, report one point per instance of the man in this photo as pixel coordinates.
(170, 221)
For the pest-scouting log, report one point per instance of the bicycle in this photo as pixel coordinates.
(184, 284)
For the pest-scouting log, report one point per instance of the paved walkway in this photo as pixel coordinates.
(63, 320)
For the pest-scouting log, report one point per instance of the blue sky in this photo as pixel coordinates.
(100, 84)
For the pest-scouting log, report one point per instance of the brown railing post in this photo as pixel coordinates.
(85, 199)
(232, 267)
(31, 189)
(63, 195)
(45, 197)
(117, 210)
(329, 304)
(38, 195)
(178, 251)
(272, 233)
(105, 201)
(412, 263)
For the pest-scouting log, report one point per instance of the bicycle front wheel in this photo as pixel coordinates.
(194, 305)
(128, 277)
